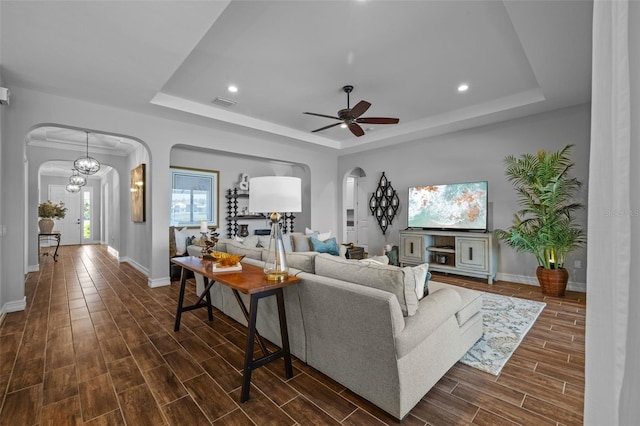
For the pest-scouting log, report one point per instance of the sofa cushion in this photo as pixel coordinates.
(304, 261)
(399, 281)
(234, 247)
(471, 300)
(300, 242)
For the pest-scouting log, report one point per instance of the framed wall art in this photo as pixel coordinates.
(138, 191)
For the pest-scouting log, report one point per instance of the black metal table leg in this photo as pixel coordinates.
(206, 294)
(284, 334)
(55, 254)
(183, 283)
(249, 363)
(243, 308)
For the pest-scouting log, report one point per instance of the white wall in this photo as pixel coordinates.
(30, 109)
(473, 155)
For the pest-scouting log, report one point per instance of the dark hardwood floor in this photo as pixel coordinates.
(96, 346)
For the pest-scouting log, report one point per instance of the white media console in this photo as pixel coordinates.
(464, 253)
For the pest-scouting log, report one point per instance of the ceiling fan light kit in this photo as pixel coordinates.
(350, 117)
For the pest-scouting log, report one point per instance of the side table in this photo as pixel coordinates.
(48, 236)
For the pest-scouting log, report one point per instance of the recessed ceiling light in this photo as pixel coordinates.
(463, 87)
(232, 88)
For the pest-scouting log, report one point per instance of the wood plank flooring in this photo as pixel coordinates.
(96, 346)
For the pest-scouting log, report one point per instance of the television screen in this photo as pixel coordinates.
(458, 206)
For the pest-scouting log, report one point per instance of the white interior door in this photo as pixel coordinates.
(70, 227)
(362, 213)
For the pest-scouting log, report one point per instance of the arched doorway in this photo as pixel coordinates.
(94, 215)
(355, 220)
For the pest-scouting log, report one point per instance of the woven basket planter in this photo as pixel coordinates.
(553, 282)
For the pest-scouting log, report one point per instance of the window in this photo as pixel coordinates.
(194, 197)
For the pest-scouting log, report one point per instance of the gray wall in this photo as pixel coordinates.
(477, 154)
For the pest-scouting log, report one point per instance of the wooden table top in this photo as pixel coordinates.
(249, 280)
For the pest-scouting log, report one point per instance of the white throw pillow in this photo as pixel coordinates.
(420, 275)
(250, 241)
(322, 236)
(181, 236)
(379, 260)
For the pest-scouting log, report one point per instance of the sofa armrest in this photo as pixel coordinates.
(433, 311)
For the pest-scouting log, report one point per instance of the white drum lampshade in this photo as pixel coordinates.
(275, 195)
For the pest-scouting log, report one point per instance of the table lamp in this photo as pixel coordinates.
(274, 195)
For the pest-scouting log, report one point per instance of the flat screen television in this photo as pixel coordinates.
(455, 207)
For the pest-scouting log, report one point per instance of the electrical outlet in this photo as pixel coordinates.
(577, 264)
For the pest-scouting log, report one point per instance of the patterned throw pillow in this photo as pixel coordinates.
(329, 246)
(426, 284)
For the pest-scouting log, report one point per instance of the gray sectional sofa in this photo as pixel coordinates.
(356, 322)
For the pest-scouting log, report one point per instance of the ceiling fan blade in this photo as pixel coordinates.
(355, 129)
(360, 108)
(322, 115)
(326, 127)
(378, 120)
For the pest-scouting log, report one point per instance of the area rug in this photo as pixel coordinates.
(506, 321)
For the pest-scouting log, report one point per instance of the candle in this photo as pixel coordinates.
(204, 227)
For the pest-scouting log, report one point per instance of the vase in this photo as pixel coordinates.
(553, 282)
(244, 230)
(45, 225)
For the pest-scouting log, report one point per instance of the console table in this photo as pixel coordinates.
(251, 281)
(48, 237)
(464, 253)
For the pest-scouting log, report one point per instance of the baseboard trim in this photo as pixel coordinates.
(33, 268)
(151, 282)
(113, 251)
(14, 306)
(525, 279)
(135, 264)
(159, 282)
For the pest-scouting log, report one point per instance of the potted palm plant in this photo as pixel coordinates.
(47, 211)
(545, 225)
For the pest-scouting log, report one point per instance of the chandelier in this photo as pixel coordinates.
(76, 179)
(87, 165)
(75, 182)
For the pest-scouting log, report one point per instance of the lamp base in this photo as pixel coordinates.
(275, 276)
(275, 265)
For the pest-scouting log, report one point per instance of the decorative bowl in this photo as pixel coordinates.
(225, 259)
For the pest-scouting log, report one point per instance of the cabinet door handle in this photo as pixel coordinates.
(470, 253)
(411, 245)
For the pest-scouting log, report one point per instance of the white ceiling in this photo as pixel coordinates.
(406, 58)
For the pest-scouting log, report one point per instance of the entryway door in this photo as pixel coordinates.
(75, 228)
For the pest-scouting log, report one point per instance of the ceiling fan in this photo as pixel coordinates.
(351, 116)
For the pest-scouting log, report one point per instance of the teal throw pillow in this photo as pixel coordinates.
(393, 256)
(426, 284)
(330, 246)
